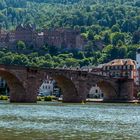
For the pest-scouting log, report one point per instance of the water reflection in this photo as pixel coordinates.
(53, 121)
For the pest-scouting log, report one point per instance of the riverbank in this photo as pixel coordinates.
(106, 101)
(55, 99)
(113, 101)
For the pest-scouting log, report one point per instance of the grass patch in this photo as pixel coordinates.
(39, 98)
(2, 97)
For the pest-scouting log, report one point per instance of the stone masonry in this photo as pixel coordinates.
(24, 83)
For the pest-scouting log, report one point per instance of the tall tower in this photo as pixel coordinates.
(138, 66)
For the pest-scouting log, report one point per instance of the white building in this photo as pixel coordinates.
(138, 66)
(95, 92)
(3, 87)
(2, 83)
(46, 88)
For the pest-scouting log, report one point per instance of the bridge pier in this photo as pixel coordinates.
(25, 92)
(76, 96)
(17, 92)
(22, 96)
(119, 91)
(125, 89)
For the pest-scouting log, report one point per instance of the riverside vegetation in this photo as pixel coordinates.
(115, 23)
(39, 98)
(4, 97)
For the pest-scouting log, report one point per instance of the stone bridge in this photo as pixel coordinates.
(24, 83)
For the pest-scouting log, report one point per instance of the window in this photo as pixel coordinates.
(131, 67)
(113, 74)
(120, 67)
(124, 67)
(126, 74)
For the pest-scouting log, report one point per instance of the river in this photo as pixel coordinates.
(59, 121)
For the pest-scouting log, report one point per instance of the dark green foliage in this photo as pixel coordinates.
(113, 23)
(21, 45)
(70, 13)
(48, 98)
(2, 97)
(136, 37)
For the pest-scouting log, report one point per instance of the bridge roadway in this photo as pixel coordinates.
(24, 83)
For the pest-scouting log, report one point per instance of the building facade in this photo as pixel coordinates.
(95, 92)
(3, 35)
(49, 87)
(46, 88)
(64, 38)
(2, 83)
(120, 68)
(25, 33)
(59, 37)
(4, 90)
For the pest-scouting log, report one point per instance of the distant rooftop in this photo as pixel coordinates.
(121, 62)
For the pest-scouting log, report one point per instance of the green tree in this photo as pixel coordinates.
(115, 37)
(106, 38)
(71, 62)
(115, 28)
(136, 37)
(21, 45)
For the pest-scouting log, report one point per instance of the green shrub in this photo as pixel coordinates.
(39, 98)
(48, 98)
(3, 97)
(53, 97)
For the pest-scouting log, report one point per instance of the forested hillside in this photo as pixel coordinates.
(104, 13)
(115, 23)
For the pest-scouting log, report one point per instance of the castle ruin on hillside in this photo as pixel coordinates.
(59, 37)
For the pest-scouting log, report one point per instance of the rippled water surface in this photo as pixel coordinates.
(58, 121)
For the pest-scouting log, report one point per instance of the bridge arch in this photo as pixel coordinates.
(69, 90)
(108, 89)
(17, 90)
(107, 86)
